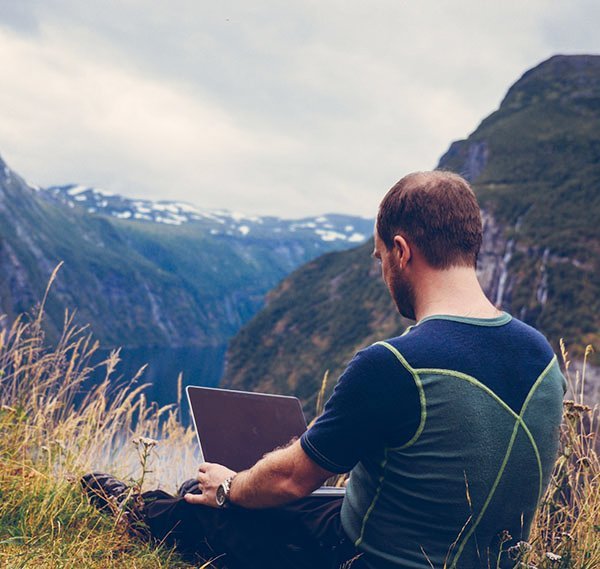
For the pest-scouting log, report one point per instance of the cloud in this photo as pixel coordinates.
(287, 108)
(102, 124)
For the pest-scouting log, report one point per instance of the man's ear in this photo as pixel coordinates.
(402, 250)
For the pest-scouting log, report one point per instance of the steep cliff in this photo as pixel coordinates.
(535, 166)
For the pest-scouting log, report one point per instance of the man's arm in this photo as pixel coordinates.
(280, 477)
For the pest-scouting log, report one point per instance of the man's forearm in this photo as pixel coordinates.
(274, 480)
(282, 476)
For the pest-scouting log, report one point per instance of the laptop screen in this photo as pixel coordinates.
(237, 428)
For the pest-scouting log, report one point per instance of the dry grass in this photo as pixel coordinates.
(566, 532)
(50, 434)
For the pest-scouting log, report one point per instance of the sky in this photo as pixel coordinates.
(282, 108)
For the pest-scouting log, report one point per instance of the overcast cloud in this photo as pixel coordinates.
(287, 108)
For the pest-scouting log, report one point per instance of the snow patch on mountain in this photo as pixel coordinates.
(331, 227)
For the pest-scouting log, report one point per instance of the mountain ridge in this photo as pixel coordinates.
(534, 164)
(327, 226)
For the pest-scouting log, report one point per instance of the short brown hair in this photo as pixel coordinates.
(438, 212)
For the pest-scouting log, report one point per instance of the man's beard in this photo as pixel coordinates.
(402, 293)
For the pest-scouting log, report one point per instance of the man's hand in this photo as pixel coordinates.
(281, 476)
(210, 477)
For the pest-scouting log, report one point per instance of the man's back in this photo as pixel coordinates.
(470, 410)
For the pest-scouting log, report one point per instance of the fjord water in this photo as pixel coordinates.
(201, 366)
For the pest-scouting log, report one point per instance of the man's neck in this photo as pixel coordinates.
(455, 291)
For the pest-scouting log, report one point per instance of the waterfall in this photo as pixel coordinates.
(541, 293)
(508, 253)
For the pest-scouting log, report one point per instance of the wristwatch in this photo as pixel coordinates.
(223, 492)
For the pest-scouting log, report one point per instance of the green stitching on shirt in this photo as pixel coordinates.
(518, 423)
(518, 418)
(407, 330)
(470, 379)
(420, 389)
(374, 501)
(489, 497)
(533, 443)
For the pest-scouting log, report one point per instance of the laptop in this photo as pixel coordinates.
(237, 428)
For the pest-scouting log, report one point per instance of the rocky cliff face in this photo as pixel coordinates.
(535, 166)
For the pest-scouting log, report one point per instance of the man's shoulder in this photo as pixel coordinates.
(376, 371)
(528, 332)
(445, 342)
(376, 358)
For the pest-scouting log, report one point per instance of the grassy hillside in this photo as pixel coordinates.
(47, 441)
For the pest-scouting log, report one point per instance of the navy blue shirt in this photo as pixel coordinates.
(376, 403)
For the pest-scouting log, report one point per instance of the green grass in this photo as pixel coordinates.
(46, 522)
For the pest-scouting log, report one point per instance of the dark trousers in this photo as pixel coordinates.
(306, 534)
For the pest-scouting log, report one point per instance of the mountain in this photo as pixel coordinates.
(169, 281)
(535, 166)
(229, 260)
(343, 230)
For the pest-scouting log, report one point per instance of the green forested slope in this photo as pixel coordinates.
(142, 283)
(535, 165)
(539, 174)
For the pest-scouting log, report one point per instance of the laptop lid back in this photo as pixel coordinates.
(237, 428)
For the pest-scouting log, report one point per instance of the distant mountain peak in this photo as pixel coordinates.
(328, 227)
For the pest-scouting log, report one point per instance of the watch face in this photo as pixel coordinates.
(221, 495)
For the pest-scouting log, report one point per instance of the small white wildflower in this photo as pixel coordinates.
(144, 441)
(518, 550)
(553, 556)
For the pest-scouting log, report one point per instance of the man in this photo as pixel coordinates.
(449, 431)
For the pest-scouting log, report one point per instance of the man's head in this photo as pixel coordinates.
(438, 213)
(434, 215)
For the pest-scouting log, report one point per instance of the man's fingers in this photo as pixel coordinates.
(195, 498)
